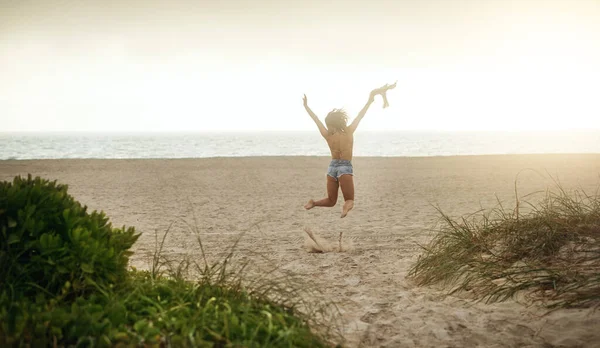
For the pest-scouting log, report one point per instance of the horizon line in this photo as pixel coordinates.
(221, 131)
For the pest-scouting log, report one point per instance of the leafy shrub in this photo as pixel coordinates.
(64, 282)
(146, 311)
(50, 243)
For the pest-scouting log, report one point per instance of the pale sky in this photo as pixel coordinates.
(133, 65)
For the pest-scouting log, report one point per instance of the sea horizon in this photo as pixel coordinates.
(368, 143)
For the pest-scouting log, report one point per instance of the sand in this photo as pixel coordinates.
(395, 206)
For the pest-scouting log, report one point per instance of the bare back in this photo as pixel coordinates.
(340, 145)
(341, 142)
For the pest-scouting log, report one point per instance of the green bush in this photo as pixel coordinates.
(64, 282)
(49, 242)
(146, 311)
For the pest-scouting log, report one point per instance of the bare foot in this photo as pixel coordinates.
(348, 205)
(309, 205)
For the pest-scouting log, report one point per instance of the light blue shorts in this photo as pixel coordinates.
(339, 167)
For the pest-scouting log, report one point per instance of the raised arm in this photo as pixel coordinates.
(361, 114)
(381, 90)
(322, 128)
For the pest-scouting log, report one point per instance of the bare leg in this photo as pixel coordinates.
(347, 185)
(332, 195)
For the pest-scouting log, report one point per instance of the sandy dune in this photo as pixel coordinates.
(395, 199)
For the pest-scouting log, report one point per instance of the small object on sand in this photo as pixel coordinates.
(312, 236)
(340, 242)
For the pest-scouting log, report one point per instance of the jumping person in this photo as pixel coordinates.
(340, 138)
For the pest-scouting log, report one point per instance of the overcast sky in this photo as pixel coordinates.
(132, 65)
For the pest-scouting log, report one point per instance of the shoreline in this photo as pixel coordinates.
(299, 156)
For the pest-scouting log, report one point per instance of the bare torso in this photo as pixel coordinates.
(340, 145)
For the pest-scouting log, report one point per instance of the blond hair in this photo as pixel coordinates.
(336, 121)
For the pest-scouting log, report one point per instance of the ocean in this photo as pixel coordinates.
(201, 145)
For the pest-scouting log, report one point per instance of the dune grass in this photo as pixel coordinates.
(547, 250)
(316, 321)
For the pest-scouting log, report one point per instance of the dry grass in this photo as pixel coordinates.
(549, 251)
(271, 284)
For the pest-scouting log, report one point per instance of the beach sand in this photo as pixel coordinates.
(396, 201)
